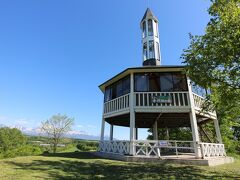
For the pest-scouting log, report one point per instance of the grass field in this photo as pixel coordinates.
(85, 166)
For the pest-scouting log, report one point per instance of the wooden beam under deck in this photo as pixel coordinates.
(146, 120)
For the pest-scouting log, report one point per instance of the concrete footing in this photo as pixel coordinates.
(182, 159)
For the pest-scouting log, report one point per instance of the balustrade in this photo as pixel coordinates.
(117, 104)
(212, 150)
(162, 99)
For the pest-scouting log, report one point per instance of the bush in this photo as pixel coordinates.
(11, 138)
(13, 143)
(87, 146)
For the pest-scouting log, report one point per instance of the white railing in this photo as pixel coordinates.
(117, 104)
(163, 147)
(116, 147)
(161, 99)
(212, 150)
(198, 101)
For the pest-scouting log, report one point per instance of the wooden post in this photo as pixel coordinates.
(167, 133)
(132, 116)
(136, 133)
(193, 121)
(111, 132)
(217, 129)
(155, 131)
(102, 129)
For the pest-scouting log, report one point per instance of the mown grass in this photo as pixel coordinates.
(81, 165)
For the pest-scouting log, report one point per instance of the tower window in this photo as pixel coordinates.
(145, 51)
(150, 27)
(144, 29)
(158, 52)
(155, 26)
(151, 49)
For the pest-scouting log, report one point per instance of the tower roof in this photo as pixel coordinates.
(149, 15)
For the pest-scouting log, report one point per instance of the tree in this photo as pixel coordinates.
(213, 62)
(56, 127)
(178, 133)
(11, 138)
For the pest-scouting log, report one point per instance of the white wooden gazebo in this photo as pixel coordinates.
(155, 96)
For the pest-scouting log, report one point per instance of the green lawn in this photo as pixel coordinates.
(85, 166)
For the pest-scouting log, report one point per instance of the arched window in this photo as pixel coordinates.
(150, 27)
(151, 49)
(145, 51)
(144, 29)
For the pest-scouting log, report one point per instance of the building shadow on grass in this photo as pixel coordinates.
(89, 167)
(78, 155)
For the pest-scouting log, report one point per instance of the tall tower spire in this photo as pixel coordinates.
(150, 39)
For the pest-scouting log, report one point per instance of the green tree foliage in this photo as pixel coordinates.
(56, 127)
(183, 134)
(213, 62)
(215, 56)
(11, 139)
(87, 145)
(14, 143)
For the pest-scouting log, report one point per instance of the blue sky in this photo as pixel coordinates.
(54, 54)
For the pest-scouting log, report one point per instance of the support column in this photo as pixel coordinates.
(111, 132)
(102, 129)
(217, 130)
(167, 133)
(132, 116)
(193, 121)
(155, 131)
(136, 133)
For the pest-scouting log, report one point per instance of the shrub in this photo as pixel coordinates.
(13, 143)
(11, 138)
(87, 146)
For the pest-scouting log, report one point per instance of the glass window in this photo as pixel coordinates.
(119, 89)
(144, 29)
(158, 52)
(126, 85)
(151, 49)
(108, 94)
(154, 83)
(145, 51)
(179, 82)
(166, 82)
(150, 27)
(141, 82)
(155, 28)
(114, 91)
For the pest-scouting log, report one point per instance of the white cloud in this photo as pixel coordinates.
(21, 121)
(91, 126)
(3, 118)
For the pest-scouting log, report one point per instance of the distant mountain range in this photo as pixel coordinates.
(70, 134)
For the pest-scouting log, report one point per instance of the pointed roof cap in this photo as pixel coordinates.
(149, 15)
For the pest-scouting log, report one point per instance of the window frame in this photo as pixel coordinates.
(150, 27)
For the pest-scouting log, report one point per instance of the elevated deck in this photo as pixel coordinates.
(169, 107)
